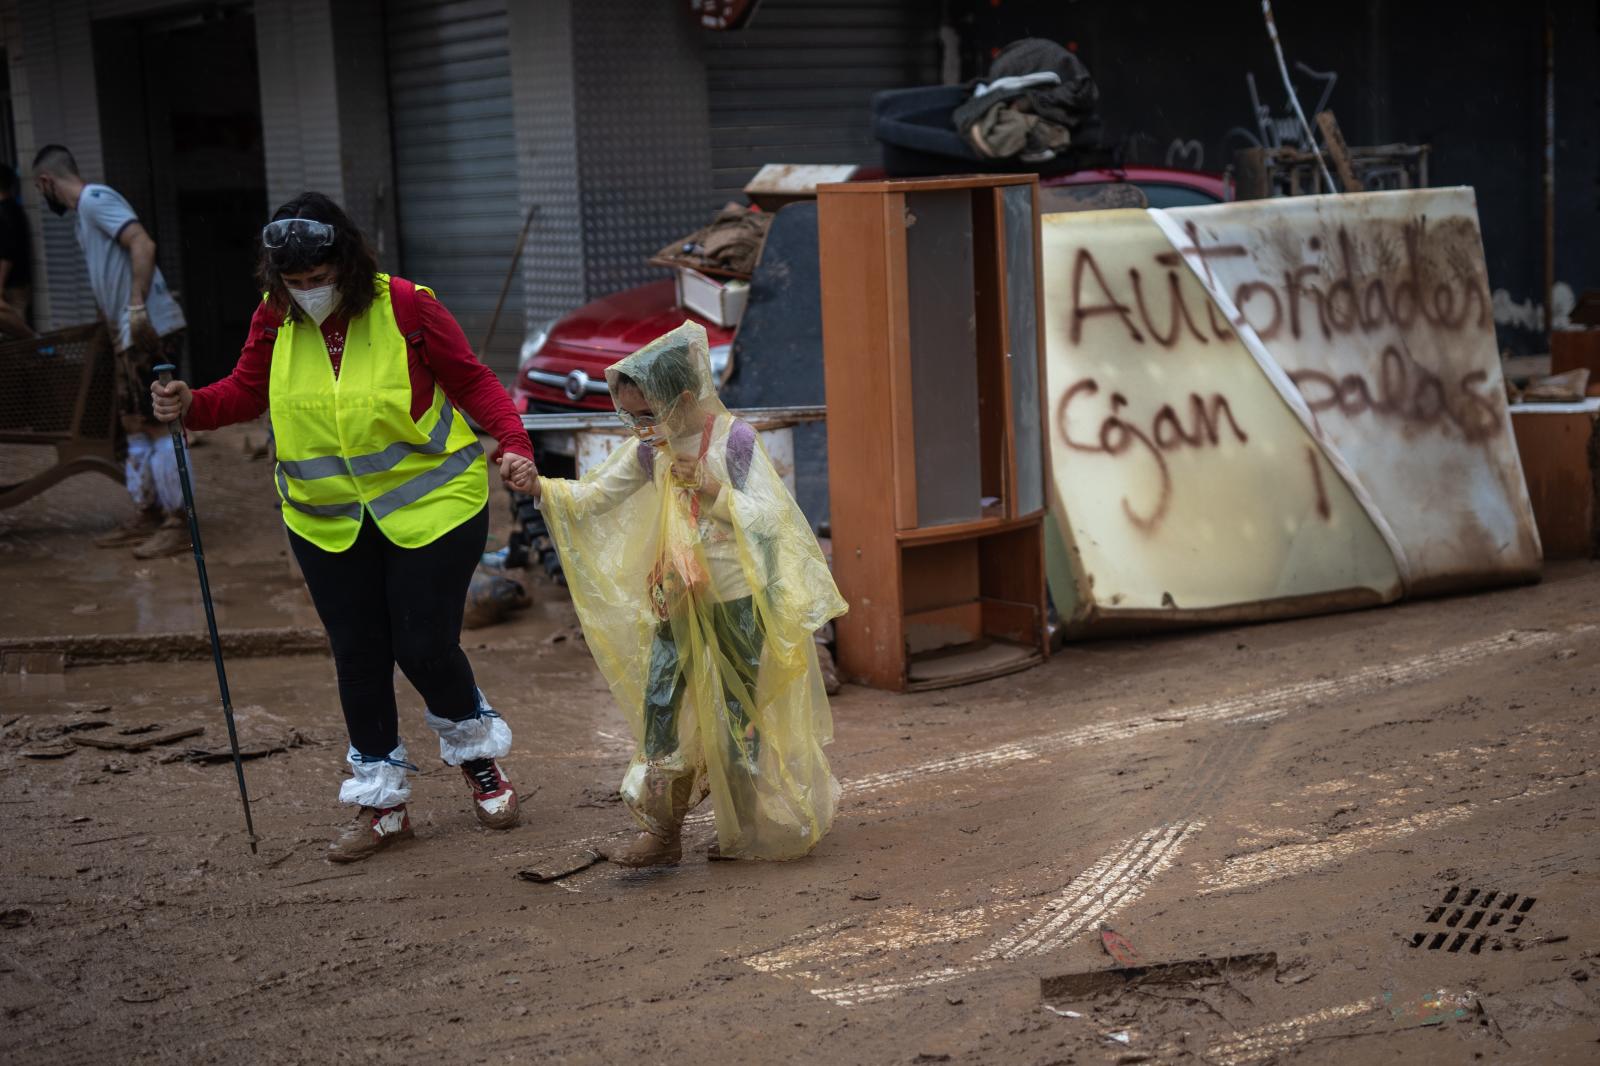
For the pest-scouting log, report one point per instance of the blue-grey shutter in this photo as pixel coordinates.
(796, 85)
(455, 161)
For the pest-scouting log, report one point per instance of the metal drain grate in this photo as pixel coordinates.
(1473, 921)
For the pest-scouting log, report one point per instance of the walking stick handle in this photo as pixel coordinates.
(164, 372)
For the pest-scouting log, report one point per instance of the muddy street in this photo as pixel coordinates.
(1379, 826)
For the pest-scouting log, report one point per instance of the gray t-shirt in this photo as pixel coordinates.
(102, 215)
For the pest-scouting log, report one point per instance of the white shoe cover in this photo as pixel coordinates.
(486, 736)
(376, 783)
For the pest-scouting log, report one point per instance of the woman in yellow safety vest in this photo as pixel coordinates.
(384, 489)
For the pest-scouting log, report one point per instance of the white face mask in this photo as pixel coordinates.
(318, 303)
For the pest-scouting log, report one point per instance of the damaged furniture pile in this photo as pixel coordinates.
(1246, 411)
(1201, 415)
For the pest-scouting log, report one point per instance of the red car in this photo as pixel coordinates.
(563, 363)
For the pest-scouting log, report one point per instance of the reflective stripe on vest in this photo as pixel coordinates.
(351, 447)
(375, 462)
(424, 483)
(395, 498)
(318, 510)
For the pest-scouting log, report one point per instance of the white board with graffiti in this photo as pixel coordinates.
(1276, 407)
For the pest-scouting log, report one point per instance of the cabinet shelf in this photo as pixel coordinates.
(934, 356)
(965, 530)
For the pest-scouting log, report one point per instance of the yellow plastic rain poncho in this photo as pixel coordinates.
(699, 597)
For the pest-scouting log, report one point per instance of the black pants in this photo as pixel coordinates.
(384, 605)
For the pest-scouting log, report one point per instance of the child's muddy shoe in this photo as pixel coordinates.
(371, 832)
(648, 849)
(494, 801)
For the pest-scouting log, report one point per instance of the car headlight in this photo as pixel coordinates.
(720, 354)
(534, 342)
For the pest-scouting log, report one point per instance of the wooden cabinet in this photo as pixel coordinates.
(934, 356)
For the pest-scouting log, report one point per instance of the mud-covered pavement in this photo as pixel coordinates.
(1317, 790)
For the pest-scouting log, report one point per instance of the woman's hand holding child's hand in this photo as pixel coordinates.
(520, 473)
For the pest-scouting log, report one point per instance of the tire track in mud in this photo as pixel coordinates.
(1264, 705)
(1292, 859)
(1108, 886)
(1249, 707)
(1071, 913)
(1119, 877)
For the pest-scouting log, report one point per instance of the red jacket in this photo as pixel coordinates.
(470, 385)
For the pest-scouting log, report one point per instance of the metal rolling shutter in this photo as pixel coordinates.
(796, 85)
(455, 160)
(57, 52)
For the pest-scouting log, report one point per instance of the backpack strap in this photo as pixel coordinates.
(271, 332)
(705, 437)
(403, 298)
(705, 446)
(741, 452)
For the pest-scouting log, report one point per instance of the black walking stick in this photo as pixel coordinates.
(176, 426)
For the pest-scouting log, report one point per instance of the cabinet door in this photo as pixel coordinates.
(943, 348)
(1022, 355)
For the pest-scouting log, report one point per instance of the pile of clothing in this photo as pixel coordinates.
(1037, 98)
(730, 245)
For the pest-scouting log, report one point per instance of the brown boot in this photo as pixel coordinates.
(648, 849)
(171, 539)
(136, 529)
(371, 832)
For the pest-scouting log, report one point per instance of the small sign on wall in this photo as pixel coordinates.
(722, 14)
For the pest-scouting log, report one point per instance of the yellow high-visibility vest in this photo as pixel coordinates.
(348, 444)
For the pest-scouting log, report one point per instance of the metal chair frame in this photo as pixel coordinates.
(62, 389)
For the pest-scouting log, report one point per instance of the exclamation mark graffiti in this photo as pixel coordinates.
(1323, 508)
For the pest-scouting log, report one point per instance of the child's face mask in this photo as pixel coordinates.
(652, 427)
(646, 427)
(640, 416)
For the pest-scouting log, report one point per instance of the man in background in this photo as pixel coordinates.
(16, 259)
(146, 327)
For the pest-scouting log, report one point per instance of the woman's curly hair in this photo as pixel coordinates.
(350, 255)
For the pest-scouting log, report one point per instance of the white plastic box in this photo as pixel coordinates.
(720, 302)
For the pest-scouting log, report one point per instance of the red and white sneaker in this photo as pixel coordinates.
(493, 799)
(373, 830)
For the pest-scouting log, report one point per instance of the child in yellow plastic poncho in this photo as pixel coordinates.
(700, 585)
